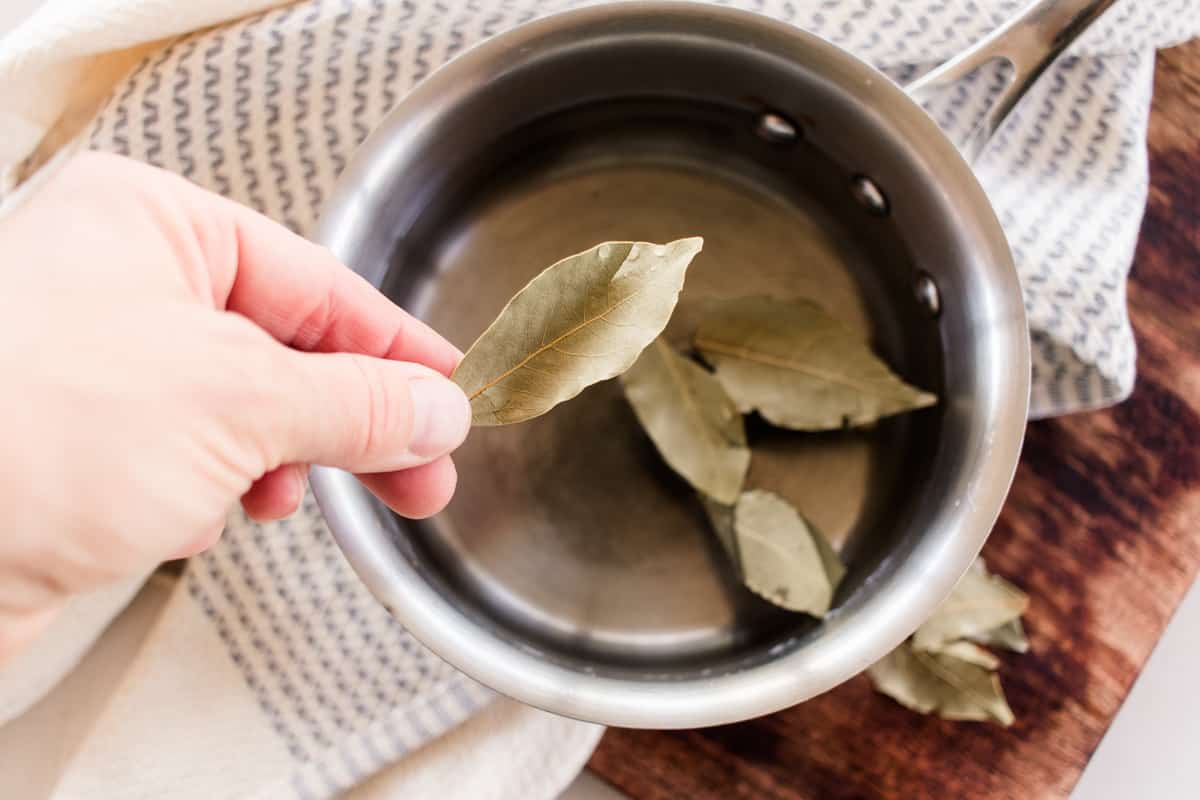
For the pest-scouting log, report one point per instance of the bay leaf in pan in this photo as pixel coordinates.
(691, 421)
(582, 320)
(959, 684)
(799, 367)
(782, 557)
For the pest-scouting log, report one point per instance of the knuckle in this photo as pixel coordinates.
(385, 413)
(371, 415)
(316, 324)
(249, 391)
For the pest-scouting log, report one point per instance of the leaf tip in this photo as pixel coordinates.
(924, 399)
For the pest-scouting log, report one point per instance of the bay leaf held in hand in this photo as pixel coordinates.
(692, 422)
(943, 683)
(780, 557)
(799, 367)
(980, 604)
(582, 320)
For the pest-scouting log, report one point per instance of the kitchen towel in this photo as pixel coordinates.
(255, 684)
(34, 672)
(272, 673)
(267, 109)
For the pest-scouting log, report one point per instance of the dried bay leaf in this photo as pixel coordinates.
(582, 320)
(970, 652)
(781, 556)
(721, 517)
(799, 367)
(1009, 636)
(942, 668)
(692, 422)
(980, 604)
(944, 683)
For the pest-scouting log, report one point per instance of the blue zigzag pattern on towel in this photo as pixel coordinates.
(272, 91)
(181, 108)
(212, 112)
(302, 96)
(242, 110)
(150, 108)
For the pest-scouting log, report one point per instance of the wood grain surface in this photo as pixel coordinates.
(1102, 528)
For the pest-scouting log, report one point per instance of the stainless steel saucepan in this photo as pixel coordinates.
(573, 571)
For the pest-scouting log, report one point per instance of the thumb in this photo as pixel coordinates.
(365, 414)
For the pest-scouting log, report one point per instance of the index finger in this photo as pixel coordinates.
(303, 296)
(298, 291)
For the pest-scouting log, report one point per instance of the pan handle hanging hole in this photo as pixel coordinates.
(927, 294)
(776, 128)
(869, 195)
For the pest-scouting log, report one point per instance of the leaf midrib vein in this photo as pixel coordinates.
(952, 680)
(566, 335)
(714, 437)
(746, 354)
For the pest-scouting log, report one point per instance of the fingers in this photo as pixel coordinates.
(295, 290)
(277, 494)
(304, 297)
(362, 383)
(361, 414)
(415, 493)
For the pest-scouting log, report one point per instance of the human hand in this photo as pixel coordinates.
(165, 352)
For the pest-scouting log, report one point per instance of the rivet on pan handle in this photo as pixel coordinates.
(1030, 42)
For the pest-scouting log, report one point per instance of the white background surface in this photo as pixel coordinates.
(1153, 747)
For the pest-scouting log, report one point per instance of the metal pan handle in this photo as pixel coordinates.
(1030, 42)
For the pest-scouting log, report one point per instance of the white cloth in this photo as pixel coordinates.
(506, 751)
(289, 673)
(188, 721)
(36, 671)
(44, 62)
(74, 737)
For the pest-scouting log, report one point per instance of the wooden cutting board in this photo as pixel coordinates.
(1102, 528)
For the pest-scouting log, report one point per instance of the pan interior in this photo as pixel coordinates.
(568, 533)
